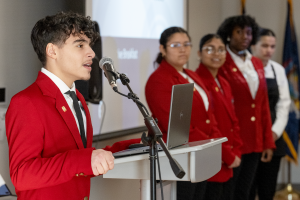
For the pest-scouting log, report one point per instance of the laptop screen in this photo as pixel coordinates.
(180, 115)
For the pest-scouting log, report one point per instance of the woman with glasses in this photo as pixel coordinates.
(279, 100)
(245, 74)
(175, 48)
(212, 53)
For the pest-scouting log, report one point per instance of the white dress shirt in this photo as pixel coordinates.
(218, 83)
(198, 88)
(247, 69)
(63, 89)
(283, 104)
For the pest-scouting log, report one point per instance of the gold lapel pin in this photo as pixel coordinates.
(64, 109)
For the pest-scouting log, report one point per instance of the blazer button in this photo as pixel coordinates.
(217, 89)
(234, 69)
(207, 121)
(85, 198)
(81, 174)
(253, 119)
(231, 130)
(76, 174)
(253, 105)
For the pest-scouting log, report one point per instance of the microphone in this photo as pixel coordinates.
(106, 64)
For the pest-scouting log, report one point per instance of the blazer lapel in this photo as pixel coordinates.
(207, 77)
(198, 81)
(66, 113)
(169, 70)
(49, 88)
(260, 73)
(226, 98)
(234, 69)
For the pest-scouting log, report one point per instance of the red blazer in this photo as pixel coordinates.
(253, 114)
(224, 113)
(47, 157)
(158, 96)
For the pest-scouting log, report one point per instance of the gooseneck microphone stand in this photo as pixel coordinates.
(154, 136)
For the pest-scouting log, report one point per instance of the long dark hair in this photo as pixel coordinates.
(164, 38)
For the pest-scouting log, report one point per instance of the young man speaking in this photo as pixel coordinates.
(48, 124)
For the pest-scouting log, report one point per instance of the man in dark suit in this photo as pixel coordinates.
(48, 124)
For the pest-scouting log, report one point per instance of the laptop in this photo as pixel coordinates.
(179, 120)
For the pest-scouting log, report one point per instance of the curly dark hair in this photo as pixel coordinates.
(165, 36)
(226, 28)
(57, 29)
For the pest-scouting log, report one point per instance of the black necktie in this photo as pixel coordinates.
(79, 116)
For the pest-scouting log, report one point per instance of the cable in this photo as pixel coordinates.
(102, 119)
(104, 112)
(160, 181)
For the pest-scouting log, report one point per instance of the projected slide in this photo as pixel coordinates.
(130, 33)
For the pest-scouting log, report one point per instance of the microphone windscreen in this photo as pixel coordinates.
(105, 60)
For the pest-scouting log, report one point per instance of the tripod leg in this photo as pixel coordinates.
(152, 157)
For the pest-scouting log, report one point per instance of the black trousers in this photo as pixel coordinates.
(187, 190)
(218, 191)
(245, 176)
(266, 179)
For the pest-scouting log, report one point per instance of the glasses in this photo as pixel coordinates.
(178, 45)
(211, 50)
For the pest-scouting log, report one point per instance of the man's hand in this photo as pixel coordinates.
(275, 137)
(236, 162)
(267, 155)
(102, 161)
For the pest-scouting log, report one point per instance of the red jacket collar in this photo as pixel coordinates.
(210, 82)
(204, 73)
(46, 85)
(258, 66)
(169, 69)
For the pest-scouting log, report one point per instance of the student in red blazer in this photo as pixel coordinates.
(245, 75)
(212, 53)
(48, 157)
(175, 49)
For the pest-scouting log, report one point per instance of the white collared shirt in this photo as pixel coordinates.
(63, 89)
(284, 101)
(247, 69)
(219, 85)
(198, 88)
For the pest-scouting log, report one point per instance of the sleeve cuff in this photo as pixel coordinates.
(227, 155)
(83, 165)
(276, 130)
